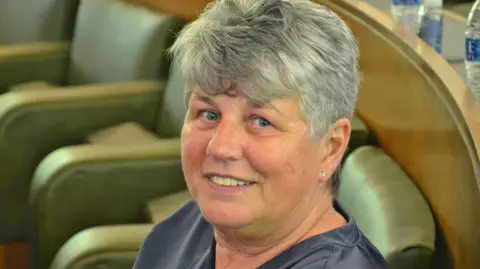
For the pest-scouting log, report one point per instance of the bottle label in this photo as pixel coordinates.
(472, 50)
(406, 2)
(432, 33)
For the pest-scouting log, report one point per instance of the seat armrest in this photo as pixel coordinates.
(78, 187)
(33, 62)
(33, 123)
(109, 247)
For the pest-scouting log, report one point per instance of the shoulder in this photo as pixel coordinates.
(184, 233)
(342, 248)
(360, 256)
(344, 256)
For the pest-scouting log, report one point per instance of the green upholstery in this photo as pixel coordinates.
(115, 43)
(23, 21)
(36, 122)
(123, 166)
(388, 208)
(33, 62)
(162, 207)
(360, 134)
(80, 187)
(106, 247)
(115, 246)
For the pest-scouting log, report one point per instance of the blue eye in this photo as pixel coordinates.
(209, 115)
(261, 122)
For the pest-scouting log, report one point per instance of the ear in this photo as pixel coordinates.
(335, 144)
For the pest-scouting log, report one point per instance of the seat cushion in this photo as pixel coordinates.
(163, 207)
(32, 85)
(122, 134)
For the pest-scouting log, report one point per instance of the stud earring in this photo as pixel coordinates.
(324, 174)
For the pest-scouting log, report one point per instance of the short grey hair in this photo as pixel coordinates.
(275, 49)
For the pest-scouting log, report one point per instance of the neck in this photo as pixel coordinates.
(318, 218)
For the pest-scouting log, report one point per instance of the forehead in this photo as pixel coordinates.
(233, 92)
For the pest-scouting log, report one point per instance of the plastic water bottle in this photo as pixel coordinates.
(431, 30)
(472, 49)
(408, 14)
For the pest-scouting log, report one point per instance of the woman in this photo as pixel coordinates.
(271, 85)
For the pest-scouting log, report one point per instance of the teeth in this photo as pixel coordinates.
(227, 181)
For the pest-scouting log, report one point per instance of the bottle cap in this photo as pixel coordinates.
(433, 3)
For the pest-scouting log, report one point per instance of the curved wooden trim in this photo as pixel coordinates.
(188, 10)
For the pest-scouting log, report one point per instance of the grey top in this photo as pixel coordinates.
(186, 241)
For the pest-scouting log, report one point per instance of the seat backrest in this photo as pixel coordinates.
(118, 41)
(24, 21)
(388, 208)
(172, 110)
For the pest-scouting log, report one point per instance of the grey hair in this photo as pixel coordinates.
(274, 49)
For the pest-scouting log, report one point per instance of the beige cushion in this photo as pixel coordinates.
(163, 207)
(125, 133)
(32, 85)
(388, 208)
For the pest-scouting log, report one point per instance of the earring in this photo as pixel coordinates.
(324, 174)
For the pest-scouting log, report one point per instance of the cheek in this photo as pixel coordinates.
(283, 161)
(193, 151)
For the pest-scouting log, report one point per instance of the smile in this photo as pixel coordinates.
(228, 181)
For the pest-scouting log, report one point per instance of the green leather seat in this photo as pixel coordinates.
(108, 179)
(388, 208)
(113, 41)
(26, 21)
(115, 67)
(115, 246)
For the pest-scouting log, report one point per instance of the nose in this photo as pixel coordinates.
(226, 143)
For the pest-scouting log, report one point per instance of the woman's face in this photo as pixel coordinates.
(248, 166)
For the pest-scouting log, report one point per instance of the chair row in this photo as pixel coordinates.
(57, 93)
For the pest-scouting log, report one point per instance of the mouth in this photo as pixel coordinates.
(228, 181)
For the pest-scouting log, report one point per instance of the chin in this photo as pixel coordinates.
(224, 214)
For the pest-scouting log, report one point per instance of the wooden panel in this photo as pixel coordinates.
(426, 119)
(14, 256)
(2, 257)
(188, 10)
(422, 114)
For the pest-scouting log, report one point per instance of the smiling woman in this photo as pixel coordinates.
(270, 89)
